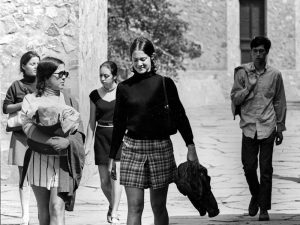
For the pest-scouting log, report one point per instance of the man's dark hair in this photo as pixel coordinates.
(261, 40)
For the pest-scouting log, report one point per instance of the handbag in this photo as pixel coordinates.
(14, 122)
(170, 122)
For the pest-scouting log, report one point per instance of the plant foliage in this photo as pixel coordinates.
(154, 19)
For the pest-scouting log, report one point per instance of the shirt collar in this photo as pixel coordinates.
(252, 67)
(50, 92)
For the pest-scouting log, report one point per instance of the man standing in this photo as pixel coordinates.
(258, 94)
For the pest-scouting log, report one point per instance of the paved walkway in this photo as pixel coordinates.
(218, 140)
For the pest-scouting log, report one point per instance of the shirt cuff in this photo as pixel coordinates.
(280, 127)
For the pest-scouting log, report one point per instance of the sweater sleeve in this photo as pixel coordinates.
(182, 120)
(28, 125)
(10, 97)
(119, 121)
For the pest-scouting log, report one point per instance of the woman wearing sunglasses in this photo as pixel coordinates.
(55, 162)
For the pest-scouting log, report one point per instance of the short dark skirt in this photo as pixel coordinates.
(103, 136)
(147, 163)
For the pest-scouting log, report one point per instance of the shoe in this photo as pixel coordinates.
(25, 221)
(115, 220)
(109, 215)
(264, 215)
(253, 207)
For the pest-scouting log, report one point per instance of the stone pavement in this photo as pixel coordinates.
(218, 141)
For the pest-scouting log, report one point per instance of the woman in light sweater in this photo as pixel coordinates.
(53, 181)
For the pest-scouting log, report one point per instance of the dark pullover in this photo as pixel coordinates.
(139, 103)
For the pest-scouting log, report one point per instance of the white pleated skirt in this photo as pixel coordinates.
(43, 170)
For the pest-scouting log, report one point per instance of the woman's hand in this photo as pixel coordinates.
(87, 149)
(110, 165)
(59, 143)
(192, 154)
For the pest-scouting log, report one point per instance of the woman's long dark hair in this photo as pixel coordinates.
(26, 58)
(46, 67)
(111, 66)
(145, 45)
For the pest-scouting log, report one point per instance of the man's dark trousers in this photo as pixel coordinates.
(250, 150)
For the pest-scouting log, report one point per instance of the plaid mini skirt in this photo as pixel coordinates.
(147, 163)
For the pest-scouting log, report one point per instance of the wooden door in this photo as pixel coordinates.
(252, 23)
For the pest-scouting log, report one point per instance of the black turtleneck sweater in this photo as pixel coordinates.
(139, 105)
(18, 90)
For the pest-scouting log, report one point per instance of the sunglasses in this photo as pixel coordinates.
(61, 74)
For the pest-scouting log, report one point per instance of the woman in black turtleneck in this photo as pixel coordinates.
(13, 103)
(147, 159)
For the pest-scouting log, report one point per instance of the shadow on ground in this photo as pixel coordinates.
(276, 219)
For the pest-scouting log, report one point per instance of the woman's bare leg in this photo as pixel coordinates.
(116, 190)
(56, 208)
(158, 199)
(42, 196)
(24, 198)
(106, 187)
(135, 201)
(105, 181)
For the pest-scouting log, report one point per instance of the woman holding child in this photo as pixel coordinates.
(56, 157)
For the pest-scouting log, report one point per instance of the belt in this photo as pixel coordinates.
(105, 124)
(137, 136)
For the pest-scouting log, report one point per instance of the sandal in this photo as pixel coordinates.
(109, 217)
(115, 220)
(25, 221)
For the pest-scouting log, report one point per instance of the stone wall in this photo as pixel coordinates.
(281, 31)
(48, 27)
(201, 83)
(72, 30)
(207, 22)
(92, 50)
(283, 24)
(215, 26)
